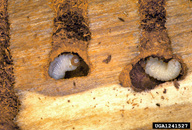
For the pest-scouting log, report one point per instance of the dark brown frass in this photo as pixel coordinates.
(8, 100)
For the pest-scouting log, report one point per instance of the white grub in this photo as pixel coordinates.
(63, 63)
(162, 71)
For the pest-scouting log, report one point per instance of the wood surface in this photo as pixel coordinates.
(114, 107)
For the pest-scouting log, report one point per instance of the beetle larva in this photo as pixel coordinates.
(162, 71)
(71, 34)
(145, 73)
(63, 63)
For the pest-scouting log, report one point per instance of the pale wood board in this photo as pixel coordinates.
(31, 29)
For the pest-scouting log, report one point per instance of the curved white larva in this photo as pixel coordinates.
(161, 70)
(60, 65)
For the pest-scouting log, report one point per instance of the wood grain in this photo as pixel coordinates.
(31, 45)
